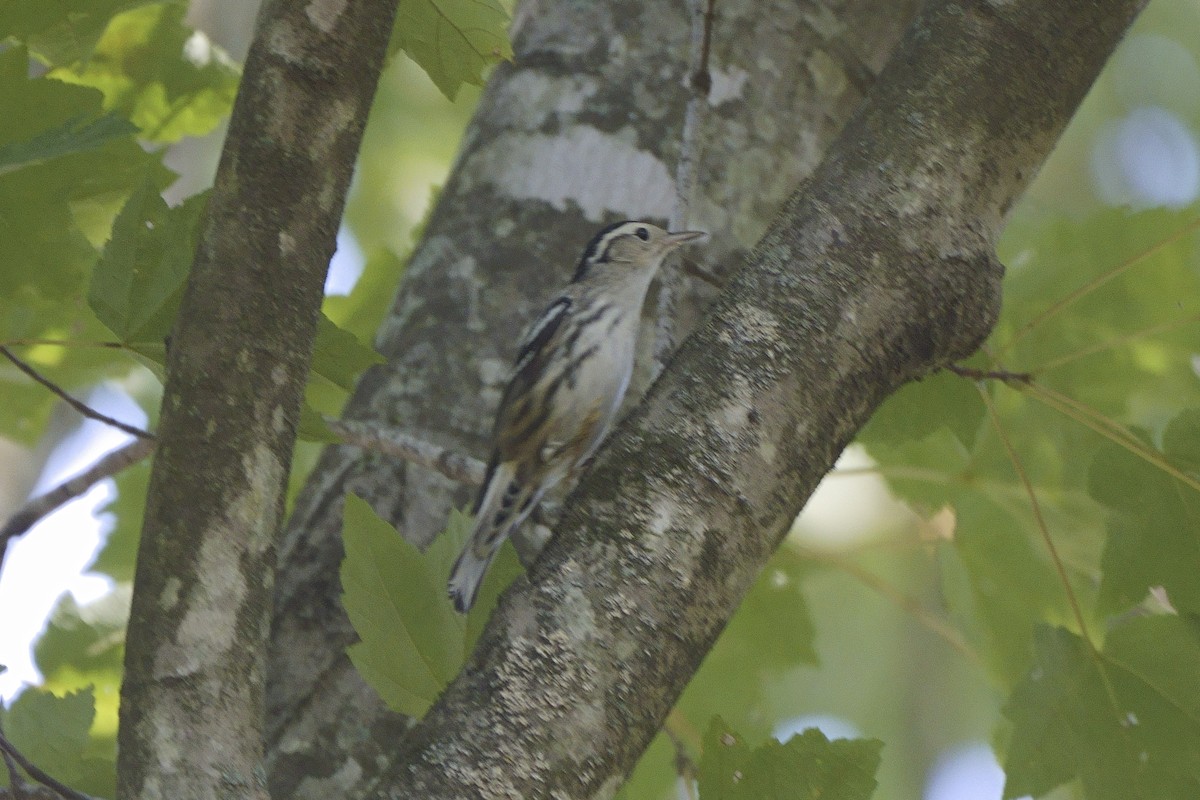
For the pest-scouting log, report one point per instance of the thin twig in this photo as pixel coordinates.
(38, 775)
(1019, 468)
(39, 507)
(68, 343)
(1110, 429)
(1112, 343)
(1059, 566)
(989, 374)
(455, 466)
(690, 267)
(14, 775)
(1096, 283)
(29, 791)
(82, 408)
(906, 603)
(700, 82)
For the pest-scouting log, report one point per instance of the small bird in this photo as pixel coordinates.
(571, 373)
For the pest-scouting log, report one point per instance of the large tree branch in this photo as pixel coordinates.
(880, 270)
(582, 128)
(192, 697)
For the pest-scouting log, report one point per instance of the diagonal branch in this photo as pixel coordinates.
(43, 505)
(398, 443)
(879, 271)
(81, 407)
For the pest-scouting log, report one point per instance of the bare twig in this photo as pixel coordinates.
(1096, 283)
(455, 466)
(901, 600)
(1110, 344)
(69, 343)
(700, 83)
(990, 374)
(37, 774)
(696, 271)
(15, 780)
(29, 792)
(82, 408)
(39, 507)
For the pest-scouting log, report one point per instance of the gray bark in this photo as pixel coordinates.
(879, 270)
(192, 697)
(582, 128)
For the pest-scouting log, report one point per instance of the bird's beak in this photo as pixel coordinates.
(673, 240)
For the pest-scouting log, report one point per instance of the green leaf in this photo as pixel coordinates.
(412, 641)
(452, 40)
(1153, 521)
(52, 732)
(1181, 441)
(313, 428)
(77, 134)
(920, 408)
(807, 766)
(1125, 721)
(1011, 581)
(139, 280)
(87, 639)
(116, 559)
(62, 31)
(66, 167)
(167, 79)
(338, 356)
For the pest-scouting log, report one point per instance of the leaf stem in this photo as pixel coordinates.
(898, 598)
(1094, 284)
(1109, 429)
(1111, 343)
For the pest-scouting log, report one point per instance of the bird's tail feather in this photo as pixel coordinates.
(503, 505)
(467, 577)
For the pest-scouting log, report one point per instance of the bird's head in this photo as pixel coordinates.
(636, 246)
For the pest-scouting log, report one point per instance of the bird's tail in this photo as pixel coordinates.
(467, 577)
(503, 505)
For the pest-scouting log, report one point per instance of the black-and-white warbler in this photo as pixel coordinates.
(571, 373)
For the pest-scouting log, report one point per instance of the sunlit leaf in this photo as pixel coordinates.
(452, 40)
(61, 31)
(63, 154)
(167, 79)
(412, 641)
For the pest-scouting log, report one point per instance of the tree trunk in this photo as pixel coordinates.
(192, 695)
(879, 271)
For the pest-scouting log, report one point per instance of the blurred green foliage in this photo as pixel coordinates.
(1039, 592)
(806, 766)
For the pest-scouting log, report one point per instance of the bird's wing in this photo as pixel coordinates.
(522, 408)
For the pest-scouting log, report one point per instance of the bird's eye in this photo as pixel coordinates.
(643, 234)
